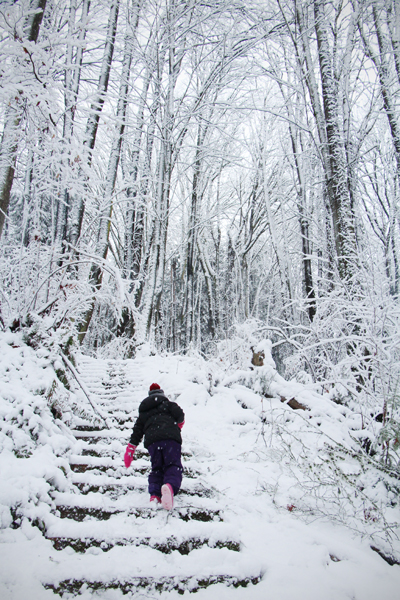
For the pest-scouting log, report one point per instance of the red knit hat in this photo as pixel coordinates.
(154, 386)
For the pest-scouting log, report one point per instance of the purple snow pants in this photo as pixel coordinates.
(166, 466)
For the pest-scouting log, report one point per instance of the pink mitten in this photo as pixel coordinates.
(129, 452)
(180, 425)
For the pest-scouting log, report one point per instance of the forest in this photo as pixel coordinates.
(190, 175)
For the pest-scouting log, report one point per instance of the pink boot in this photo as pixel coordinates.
(155, 499)
(167, 496)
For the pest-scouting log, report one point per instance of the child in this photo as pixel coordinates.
(160, 421)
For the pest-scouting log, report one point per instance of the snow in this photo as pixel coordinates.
(287, 488)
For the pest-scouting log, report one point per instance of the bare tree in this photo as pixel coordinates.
(103, 235)
(15, 108)
(73, 68)
(95, 112)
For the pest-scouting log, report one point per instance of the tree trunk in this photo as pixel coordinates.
(338, 191)
(154, 286)
(331, 146)
(188, 312)
(13, 116)
(95, 111)
(135, 198)
(96, 273)
(389, 102)
(71, 87)
(304, 221)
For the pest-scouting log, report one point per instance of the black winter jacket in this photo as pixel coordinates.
(158, 420)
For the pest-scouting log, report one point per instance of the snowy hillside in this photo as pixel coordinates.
(275, 503)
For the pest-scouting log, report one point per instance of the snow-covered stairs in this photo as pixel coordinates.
(108, 535)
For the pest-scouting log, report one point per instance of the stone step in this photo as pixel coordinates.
(95, 437)
(150, 584)
(126, 421)
(93, 452)
(80, 513)
(166, 547)
(88, 427)
(102, 451)
(117, 471)
(115, 491)
(119, 418)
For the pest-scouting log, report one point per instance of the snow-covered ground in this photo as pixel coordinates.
(276, 503)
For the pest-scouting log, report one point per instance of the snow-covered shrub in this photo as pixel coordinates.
(389, 436)
(34, 439)
(352, 348)
(43, 290)
(236, 356)
(30, 394)
(237, 350)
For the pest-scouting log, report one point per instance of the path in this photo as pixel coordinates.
(110, 537)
